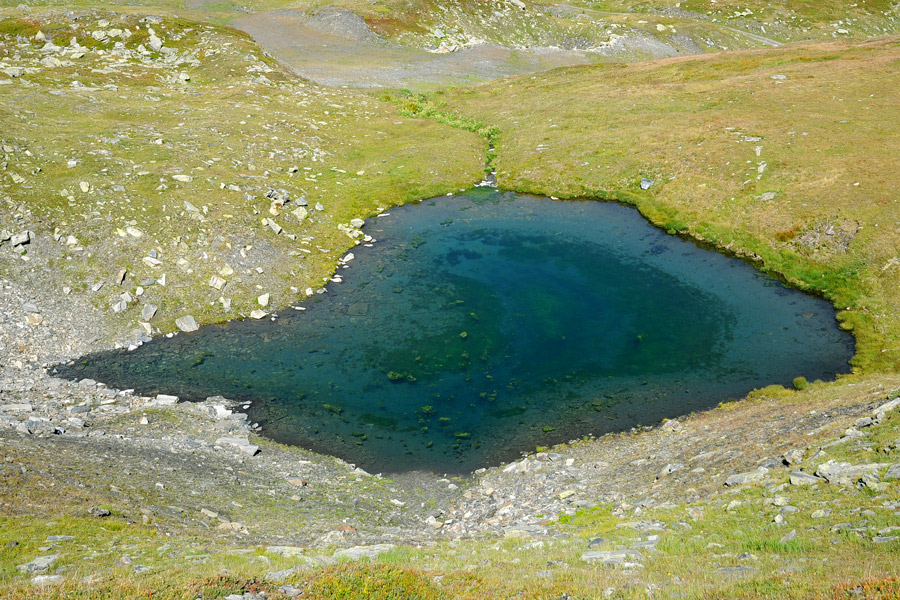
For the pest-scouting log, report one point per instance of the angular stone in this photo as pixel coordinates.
(20, 239)
(800, 478)
(186, 323)
(789, 537)
(843, 473)
(217, 282)
(258, 314)
(793, 456)
(892, 473)
(749, 477)
(165, 399)
(263, 300)
(148, 312)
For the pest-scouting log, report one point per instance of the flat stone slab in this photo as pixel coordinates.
(801, 478)
(613, 558)
(843, 473)
(749, 477)
(241, 444)
(186, 324)
(357, 552)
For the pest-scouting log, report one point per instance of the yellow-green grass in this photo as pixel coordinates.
(816, 205)
(224, 127)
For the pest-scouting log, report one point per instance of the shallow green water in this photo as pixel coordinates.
(486, 324)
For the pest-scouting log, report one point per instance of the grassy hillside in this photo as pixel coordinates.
(179, 154)
(783, 156)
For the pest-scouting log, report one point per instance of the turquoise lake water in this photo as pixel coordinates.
(486, 324)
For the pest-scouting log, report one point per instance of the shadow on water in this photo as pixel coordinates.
(485, 324)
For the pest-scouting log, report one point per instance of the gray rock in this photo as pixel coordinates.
(165, 399)
(319, 206)
(41, 563)
(646, 183)
(357, 552)
(613, 558)
(155, 43)
(186, 323)
(30, 307)
(750, 477)
(98, 512)
(843, 473)
(670, 468)
(60, 538)
(864, 422)
(880, 412)
(20, 239)
(242, 444)
(148, 312)
(793, 456)
(120, 306)
(290, 591)
(789, 537)
(800, 478)
(276, 576)
(892, 473)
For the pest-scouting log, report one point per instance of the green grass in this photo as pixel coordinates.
(350, 152)
(826, 139)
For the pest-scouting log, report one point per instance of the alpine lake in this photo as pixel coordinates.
(485, 324)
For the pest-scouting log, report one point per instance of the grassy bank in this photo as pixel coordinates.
(781, 156)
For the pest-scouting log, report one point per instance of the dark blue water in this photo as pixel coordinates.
(486, 324)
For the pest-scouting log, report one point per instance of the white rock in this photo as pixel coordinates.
(186, 323)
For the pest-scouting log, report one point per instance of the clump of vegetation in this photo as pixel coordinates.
(800, 383)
